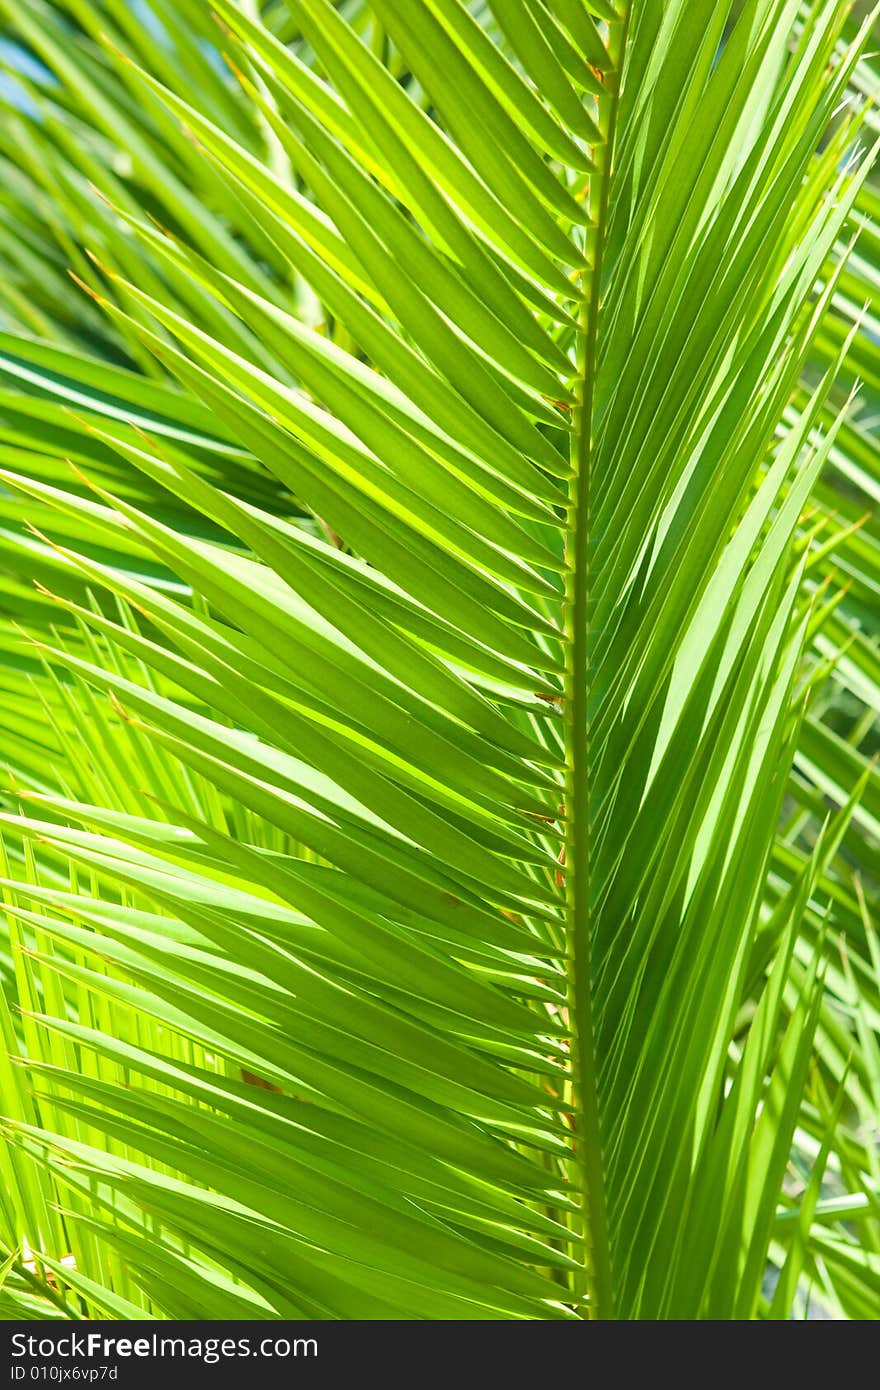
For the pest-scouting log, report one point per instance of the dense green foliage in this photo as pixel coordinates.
(440, 659)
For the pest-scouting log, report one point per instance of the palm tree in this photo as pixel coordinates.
(440, 660)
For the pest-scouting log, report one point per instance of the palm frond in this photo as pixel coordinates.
(426, 671)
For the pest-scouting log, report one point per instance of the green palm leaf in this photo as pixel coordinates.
(399, 919)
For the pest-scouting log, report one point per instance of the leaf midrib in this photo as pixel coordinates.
(589, 1162)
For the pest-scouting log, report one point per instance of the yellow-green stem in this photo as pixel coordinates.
(596, 1280)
